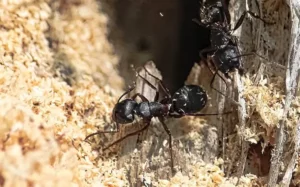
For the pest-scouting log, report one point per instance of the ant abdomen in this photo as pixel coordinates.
(189, 99)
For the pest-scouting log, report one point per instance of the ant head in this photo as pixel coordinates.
(189, 99)
(227, 59)
(124, 111)
(210, 14)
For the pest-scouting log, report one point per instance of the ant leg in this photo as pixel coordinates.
(176, 115)
(128, 135)
(225, 11)
(212, 81)
(249, 54)
(241, 19)
(100, 132)
(170, 142)
(144, 99)
(118, 128)
(205, 51)
(161, 83)
(214, 74)
(151, 85)
(192, 114)
(202, 52)
(227, 76)
(127, 92)
(241, 70)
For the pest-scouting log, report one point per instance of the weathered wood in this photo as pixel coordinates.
(291, 166)
(269, 41)
(292, 74)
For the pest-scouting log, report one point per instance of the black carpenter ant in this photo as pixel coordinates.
(187, 101)
(223, 50)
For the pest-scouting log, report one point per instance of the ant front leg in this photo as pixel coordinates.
(241, 19)
(214, 75)
(127, 92)
(249, 54)
(213, 79)
(203, 56)
(151, 85)
(240, 69)
(117, 124)
(161, 83)
(144, 99)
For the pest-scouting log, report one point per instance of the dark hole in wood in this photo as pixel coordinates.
(162, 31)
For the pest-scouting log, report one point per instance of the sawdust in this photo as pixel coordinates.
(44, 117)
(59, 83)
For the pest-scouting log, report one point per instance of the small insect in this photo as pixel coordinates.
(187, 101)
(223, 50)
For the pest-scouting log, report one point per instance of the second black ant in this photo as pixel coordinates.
(186, 101)
(223, 50)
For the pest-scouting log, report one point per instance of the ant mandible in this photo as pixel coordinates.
(186, 101)
(223, 50)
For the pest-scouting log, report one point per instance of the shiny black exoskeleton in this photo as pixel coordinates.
(212, 11)
(223, 50)
(226, 60)
(187, 101)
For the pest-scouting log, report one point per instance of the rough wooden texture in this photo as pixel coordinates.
(58, 83)
(292, 74)
(291, 166)
(269, 41)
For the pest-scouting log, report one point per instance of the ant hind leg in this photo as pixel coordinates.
(100, 132)
(170, 143)
(128, 135)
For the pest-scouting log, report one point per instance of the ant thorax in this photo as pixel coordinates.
(151, 109)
